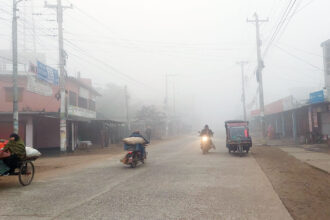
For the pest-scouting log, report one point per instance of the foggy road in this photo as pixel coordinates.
(177, 182)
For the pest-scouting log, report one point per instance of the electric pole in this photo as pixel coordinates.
(259, 72)
(166, 104)
(174, 110)
(33, 30)
(59, 11)
(242, 63)
(14, 54)
(167, 109)
(127, 111)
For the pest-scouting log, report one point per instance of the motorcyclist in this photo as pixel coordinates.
(209, 133)
(140, 147)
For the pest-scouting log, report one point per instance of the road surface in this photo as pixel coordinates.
(177, 182)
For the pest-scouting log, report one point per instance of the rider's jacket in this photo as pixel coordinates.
(207, 132)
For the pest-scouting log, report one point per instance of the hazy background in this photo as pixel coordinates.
(135, 43)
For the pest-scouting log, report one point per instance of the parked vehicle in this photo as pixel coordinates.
(237, 136)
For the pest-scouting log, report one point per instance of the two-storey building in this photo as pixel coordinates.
(39, 107)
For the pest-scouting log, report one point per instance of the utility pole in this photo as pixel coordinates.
(167, 109)
(166, 105)
(59, 11)
(242, 63)
(174, 110)
(127, 111)
(33, 30)
(259, 72)
(14, 54)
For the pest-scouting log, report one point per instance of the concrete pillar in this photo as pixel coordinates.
(29, 132)
(283, 125)
(294, 126)
(73, 140)
(276, 127)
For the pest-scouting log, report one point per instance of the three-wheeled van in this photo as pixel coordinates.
(237, 136)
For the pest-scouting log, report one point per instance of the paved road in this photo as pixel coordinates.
(177, 182)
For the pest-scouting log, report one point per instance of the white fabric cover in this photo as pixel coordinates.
(31, 152)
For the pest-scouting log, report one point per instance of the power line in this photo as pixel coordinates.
(299, 49)
(305, 6)
(298, 58)
(114, 69)
(280, 24)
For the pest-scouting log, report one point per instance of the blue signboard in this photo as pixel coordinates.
(47, 73)
(316, 97)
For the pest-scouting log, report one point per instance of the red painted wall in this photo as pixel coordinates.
(32, 102)
(6, 128)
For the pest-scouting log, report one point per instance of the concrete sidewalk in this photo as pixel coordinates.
(318, 160)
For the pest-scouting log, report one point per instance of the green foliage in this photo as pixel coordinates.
(150, 115)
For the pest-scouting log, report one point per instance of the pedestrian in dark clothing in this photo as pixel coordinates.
(148, 133)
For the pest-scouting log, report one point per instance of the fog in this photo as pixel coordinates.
(196, 42)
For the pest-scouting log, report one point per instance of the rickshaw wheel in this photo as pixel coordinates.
(26, 173)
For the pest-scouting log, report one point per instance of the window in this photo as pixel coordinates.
(72, 98)
(82, 102)
(9, 94)
(236, 132)
(91, 105)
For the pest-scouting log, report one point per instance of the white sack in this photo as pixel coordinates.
(31, 152)
(134, 140)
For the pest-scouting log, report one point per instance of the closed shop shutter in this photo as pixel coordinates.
(325, 123)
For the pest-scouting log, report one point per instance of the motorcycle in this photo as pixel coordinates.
(206, 144)
(133, 157)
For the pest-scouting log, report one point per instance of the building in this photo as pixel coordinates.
(39, 107)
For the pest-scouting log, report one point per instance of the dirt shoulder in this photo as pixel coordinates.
(304, 190)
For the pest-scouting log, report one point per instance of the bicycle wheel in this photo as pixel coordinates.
(26, 173)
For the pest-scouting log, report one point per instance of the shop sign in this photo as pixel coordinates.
(316, 97)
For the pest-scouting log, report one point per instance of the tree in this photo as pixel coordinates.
(111, 103)
(150, 115)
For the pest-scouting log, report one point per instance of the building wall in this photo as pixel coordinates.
(36, 131)
(30, 101)
(46, 132)
(33, 102)
(6, 128)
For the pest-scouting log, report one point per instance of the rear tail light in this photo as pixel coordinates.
(246, 133)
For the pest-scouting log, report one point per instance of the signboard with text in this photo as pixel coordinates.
(38, 87)
(47, 73)
(316, 97)
(81, 112)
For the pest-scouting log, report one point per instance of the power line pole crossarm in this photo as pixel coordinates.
(63, 114)
(257, 22)
(242, 63)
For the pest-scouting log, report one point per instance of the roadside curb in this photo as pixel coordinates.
(317, 168)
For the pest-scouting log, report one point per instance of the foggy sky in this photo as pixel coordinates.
(199, 40)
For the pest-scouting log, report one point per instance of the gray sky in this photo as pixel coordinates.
(135, 43)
